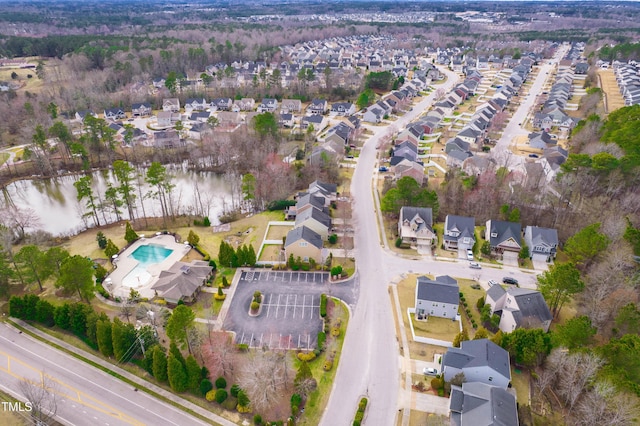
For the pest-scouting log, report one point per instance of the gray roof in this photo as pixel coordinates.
(477, 353)
(443, 289)
(182, 279)
(504, 231)
(424, 213)
(305, 234)
(533, 307)
(315, 214)
(483, 404)
(462, 224)
(543, 236)
(317, 202)
(495, 292)
(325, 187)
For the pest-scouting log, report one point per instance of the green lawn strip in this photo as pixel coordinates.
(317, 400)
(112, 373)
(3, 157)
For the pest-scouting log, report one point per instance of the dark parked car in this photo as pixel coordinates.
(533, 155)
(383, 169)
(509, 280)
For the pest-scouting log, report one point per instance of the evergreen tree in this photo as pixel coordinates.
(61, 316)
(242, 255)
(194, 374)
(111, 249)
(177, 375)
(193, 238)
(44, 313)
(123, 337)
(159, 366)
(251, 256)
(102, 240)
(78, 316)
(129, 234)
(103, 336)
(175, 351)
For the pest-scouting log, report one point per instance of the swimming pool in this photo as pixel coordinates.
(146, 255)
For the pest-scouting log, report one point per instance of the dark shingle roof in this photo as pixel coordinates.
(478, 353)
(443, 289)
(532, 305)
(462, 224)
(305, 234)
(504, 231)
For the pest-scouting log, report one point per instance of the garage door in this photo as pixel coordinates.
(510, 258)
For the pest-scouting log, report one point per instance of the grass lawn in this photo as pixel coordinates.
(437, 328)
(277, 232)
(520, 381)
(420, 418)
(3, 157)
(13, 418)
(471, 296)
(317, 400)
(270, 252)
(348, 265)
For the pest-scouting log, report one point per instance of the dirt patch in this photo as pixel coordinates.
(270, 253)
(613, 98)
(278, 232)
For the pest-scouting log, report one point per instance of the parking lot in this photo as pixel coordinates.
(289, 317)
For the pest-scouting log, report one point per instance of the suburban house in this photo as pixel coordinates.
(171, 105)
(409, 168)
(81, 115)
(114, 114)
(321, 189)
(166, 118)
(317, 107)
(480, 361)
(304, 243)
(166, 139)
(290, 106)
(286, 120)
(518, 308)
(477, 403)
(542, 243)
(415, 227)
(141, 109)
(437, 298)
(504, 238)
(195, 105)
(315, 219)
(221, 104)
(305, 202)
(312, 120)
(199, 129)
(459, 234)
(373, 115)
(343, 108)
(244, 104)
(268, 105)
(182, 281)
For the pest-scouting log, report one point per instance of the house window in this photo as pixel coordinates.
(303, 243)
(466, 240)
(494, 234)
(491, 379)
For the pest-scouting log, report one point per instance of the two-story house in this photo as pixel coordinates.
(519, 308)
(438, 298)
(459, 234)
(480, 361)
(542, 243)
(415, 228)
(304, 243)
(504, 239)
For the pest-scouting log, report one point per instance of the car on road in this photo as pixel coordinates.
(428, 371)
(474, 265)
(533, 155)
(510, 280)
(469, 254)
(492, 283)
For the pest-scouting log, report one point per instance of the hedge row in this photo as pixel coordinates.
(362, 405)
(323, 305)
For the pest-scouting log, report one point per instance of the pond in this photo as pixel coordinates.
(54, 201)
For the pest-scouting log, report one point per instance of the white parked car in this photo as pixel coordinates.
(469, 254)
(474, 265)
(428, 371)
(492, 283)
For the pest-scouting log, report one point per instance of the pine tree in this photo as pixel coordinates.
(103, 336)
(194, 374)
(251, 256)
(111, 249)
(177, 375)
(159, 364)
(242, 255)
(129, 234)
(193, 239)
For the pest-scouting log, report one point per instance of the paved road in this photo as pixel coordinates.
(514, 128)
(85, 395)
(370, 364)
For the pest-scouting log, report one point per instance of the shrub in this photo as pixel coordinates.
(206, 221)
(322, 336)
(306, 356)
(205, 386)
(255, 306)
(221, 383)
(363, 404)
(480, 303)
(440, 392)
(359, 416)
(323, 305)
(257, 419)
(104, 293)
(234, 390)
(242, 347)
(220, 295)
(221, 395)
(398, 242)
(296, 399)
(257, 296)
(210, 396)
(335, 331)
(328, 365)
(333, 238)
(225, 282)
(355, 423)
(437, 383)
(336, 271)
(212, 263)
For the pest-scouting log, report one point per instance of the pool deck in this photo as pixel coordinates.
(125, 264)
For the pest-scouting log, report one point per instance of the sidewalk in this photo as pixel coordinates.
(135, 379)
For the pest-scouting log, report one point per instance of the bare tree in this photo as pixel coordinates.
(42, 396)
(264, 377)
(20, 219)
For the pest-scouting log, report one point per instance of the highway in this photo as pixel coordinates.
(85, 395)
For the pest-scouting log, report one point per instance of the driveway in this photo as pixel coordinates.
(289, 317)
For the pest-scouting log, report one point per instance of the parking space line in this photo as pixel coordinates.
(304, 299)
(280, 341)
(278, 306)
(261, 339)
(251, 340)
(242, 338)
(269, 305)
(295, 305)
(286, 306)
(308, 341)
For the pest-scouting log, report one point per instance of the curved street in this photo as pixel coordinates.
(371, 364)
